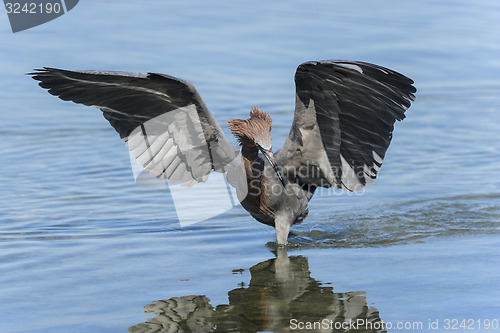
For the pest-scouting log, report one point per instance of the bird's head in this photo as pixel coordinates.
(254, 131)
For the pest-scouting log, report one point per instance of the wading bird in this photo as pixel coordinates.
(344, 117)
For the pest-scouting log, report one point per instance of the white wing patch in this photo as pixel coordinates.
(350, 180)
(350, 66)
(172, 146)
(370, 173)
(377, 158)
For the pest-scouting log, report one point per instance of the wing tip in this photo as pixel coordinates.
(41, 71)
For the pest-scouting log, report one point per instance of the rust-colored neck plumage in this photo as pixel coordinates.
(254, 130)
(254, 134)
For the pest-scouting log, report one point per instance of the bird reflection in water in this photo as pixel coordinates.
(281, 297)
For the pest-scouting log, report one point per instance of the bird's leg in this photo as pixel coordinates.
(282, 225)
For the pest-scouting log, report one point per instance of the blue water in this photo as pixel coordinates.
(83, 249)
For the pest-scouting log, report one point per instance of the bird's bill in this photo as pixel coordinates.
(270, 157)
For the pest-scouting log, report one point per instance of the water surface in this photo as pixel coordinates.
(83, 249)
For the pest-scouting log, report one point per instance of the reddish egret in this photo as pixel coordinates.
(344, 117)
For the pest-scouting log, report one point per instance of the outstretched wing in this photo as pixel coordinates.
(344, 117)
(162, 119)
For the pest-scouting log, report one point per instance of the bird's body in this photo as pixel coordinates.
(343, 123)
(271, 199)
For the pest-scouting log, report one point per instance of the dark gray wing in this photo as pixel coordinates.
(344, 117)
(162, 119)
